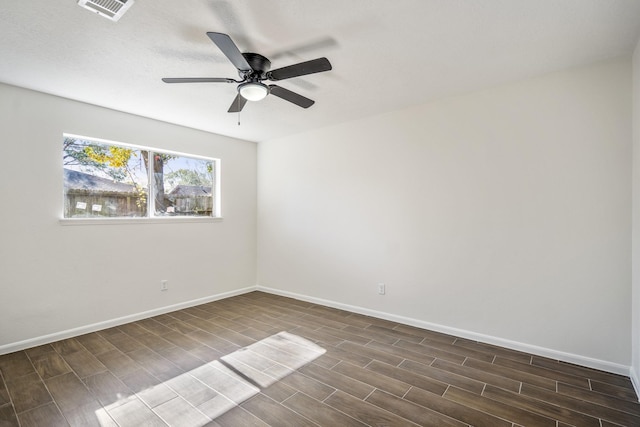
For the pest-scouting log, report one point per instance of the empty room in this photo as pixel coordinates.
(320, 213)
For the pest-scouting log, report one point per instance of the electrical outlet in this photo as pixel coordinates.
(164, 285)
(381, 288)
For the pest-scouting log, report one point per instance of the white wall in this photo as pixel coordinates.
(505, 212)
(635, 329)
(55, 277)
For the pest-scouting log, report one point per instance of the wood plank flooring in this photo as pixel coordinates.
(167, 370)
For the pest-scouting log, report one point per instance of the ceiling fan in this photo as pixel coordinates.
(253, 69)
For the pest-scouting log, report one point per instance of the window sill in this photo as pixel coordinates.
(159, 220)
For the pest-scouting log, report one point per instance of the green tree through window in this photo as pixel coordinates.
(104, 179)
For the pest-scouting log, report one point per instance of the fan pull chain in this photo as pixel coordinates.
(238, 105)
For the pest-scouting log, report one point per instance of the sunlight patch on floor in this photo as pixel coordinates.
(210, 390)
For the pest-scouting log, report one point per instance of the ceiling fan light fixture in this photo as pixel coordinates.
(253, 91)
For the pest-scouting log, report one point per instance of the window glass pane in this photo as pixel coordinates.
(103, 180)
(183, 185)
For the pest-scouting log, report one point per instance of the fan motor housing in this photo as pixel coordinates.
(258, 63)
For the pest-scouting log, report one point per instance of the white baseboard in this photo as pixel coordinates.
(69, 333)
(635, 380)
(589, 362)
(528, 348)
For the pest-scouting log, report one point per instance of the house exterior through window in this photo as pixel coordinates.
(103, 179)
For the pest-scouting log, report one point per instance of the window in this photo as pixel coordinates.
(105, 179)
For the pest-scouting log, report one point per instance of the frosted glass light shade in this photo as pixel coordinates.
(253, 91)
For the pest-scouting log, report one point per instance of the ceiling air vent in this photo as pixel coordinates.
(110, 9)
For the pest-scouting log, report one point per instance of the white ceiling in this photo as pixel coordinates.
(386, 55)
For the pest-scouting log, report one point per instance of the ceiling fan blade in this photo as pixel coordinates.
(198, 80)
(303, 68)
(237, 105)
(293, 97)
(231, 51)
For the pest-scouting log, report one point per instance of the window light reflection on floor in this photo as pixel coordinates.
(210, 390)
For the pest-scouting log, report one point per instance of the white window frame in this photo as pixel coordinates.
(151, 217)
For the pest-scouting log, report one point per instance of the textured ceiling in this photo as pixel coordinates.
(386, 55)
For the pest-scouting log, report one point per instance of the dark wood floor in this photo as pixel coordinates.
(374, 373)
